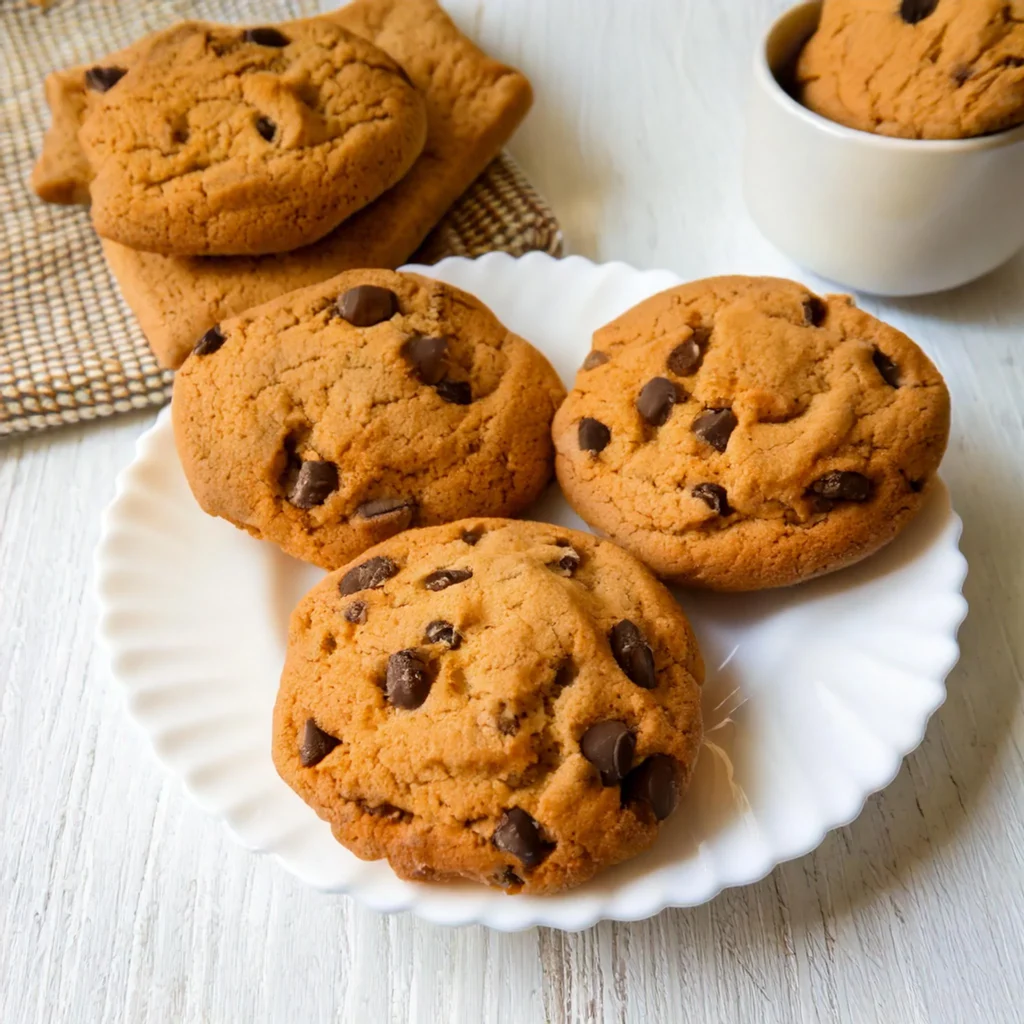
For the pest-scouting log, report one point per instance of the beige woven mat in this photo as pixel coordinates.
(69, 348)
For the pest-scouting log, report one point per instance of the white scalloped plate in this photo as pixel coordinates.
(814, 694)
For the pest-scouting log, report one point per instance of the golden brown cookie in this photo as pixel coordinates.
(473, 103)
(338, 415)
(225, 141)
(513, 703)
(921, 69)
(740, 432)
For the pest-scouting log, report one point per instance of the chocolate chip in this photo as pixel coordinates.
(316, 744)
(367, 305)
(715, 426)
(315, 481)
(442, 579)
(913, 11)
(609, 747)
(887, 368)
(428, 358)
(655, 401)
(841, 485)
(356, 612)
(593, 435)
(209, 342)
(441, 632)
(407, 682)
(384, 507)
(917, 486)
(265, 37)
(686, 357)
(458, 392)
(815, 311)
(471, 536)
(568, 563)
(595, 359)
(633, 654)
(101, 79)
(368, 575)
(518, 834)
(266, 128)
(507, 878)
(654, 782)
(714, 496)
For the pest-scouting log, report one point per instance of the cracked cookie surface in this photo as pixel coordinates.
(739, 433)
(336, 416)
(523, 723)
(919, 69)
(218, 140)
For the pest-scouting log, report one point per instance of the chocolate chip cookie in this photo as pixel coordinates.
(921, 69)
(509, 702)
(340, 414)
(740, 433)
(228, 141)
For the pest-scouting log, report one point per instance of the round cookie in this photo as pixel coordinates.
(340, 414)
(740, 433)
(920, 69)
(504, 701)
(222, 140)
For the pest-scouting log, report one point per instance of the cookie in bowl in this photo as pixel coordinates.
(507, 702)
(739, 433)
(335, 416)
(217, 140)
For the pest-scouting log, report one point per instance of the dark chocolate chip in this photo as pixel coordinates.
(842, 485)
(265, 37)
(458, 392)
(384, 507)
(686, 357)
(595, 359)
(714, 496)
(815, 311)
(518, 834)
(315, 481)
(356, 612)
(101, 79)
(633, 654)
(568, 563)
(442, 579)
(407, 682)
(654, 782)
(913, 11)
(609, 747)
(209, 342)
(593, 435)
(715, 426)
(887, 368)
(441, 632)
(428, 358)
(507, 878)
(368, 575)
(655, 401)
(471, 536)
(316, 744)
(367, 305)
(266, 128)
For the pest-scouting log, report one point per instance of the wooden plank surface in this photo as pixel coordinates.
(121, 901)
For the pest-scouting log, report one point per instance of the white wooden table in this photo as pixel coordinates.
(121, 901)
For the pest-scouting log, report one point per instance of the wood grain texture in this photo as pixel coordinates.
(121, 901)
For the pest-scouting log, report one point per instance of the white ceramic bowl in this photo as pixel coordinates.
(876, 214)
(813, 695)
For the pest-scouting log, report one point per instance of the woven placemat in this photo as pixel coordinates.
(70, 350)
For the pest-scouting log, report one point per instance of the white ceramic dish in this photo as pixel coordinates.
(813, 697)
(877, 214)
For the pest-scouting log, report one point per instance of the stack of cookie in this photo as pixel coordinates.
(226, 166)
